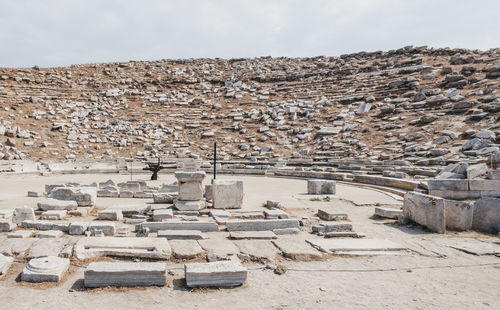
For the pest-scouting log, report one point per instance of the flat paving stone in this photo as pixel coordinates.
(255, 225)
(263, 234)
(470, 246)
(162, 214)
(154, 248)
(390, 213)
(218, 249)
(107, 227)
(45, 269)
(47, 247)
(297, 250)
(202, 225)
(49, 234)
(181, 234)
(331, 216)
(346, 245)
(5, 263)
(275, 214)
(215, 274)
(21, 234)
(256, 250)
(102, 274)
(186, 249)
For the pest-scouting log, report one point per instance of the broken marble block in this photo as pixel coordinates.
(275, 214)
(84, 196)
(106, 227)
(5, 263)
(215, 274)
(257, 225)
(329, 227)
(329, 216)
(56, 204)
(78, 228)
(190, 187)
(23, 214)
(162, 214)
(321, 187)
(6, 225)
(164, 197)
(53, 215)
(45, 269)
(227, 194)
(389, 213)
(189, 205)
(110, 215)
(101, 274)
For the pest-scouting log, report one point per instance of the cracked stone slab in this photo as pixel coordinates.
(346, 245)
(154, 248)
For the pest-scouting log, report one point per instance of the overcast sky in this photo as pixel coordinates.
(64, 32)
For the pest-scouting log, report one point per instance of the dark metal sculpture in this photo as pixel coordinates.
(155, 168)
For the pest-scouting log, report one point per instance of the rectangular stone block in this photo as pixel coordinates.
(203, 226)
(227, 194)
(321, 187)
(215, 274)
(189, 205)
(275, 214)
(5, 263)
(6, 225)
(425, 210)
(78, 228)
(110, 215)
(256, 225)
(329, 216)
(328, 227)
(23, 214)
(153, 248)
(102, 274)
(458, 215)
(84, 196)
(162, 214)
(56, 204)
(484, 185)
(181, 234)
(486, 216)
(348, 245)
(190, 185)
(108, 228)
(263, 234)
(448, 185)
(53, 215)
(390, 213)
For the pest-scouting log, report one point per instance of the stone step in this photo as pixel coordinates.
(101, 274)
(257, 225)
(215, 274)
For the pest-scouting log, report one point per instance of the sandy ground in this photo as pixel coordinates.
(411, 281)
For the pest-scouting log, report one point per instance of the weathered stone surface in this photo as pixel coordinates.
(344, 234)
(189, 205)
(107, 228)
(425, 210)
(486, 216)
(49, 234)
(45, 269)
(131, 209)
(321, 187)
(6, 225)
(190, 187)
(102, 274)
(256, 250)
(110, 215)
(390, 213)
(256, 225)
(203, 226)
(227, 194)
(297, 250)
(494, 175)
(384, 181)
(186, 249)
(153, 248)
(347, 245)
(164, 197)
(84, 196)
(6, 213)
(46, 225)
(458, 215)
(21, 234)
(181, 234)
(215, 274)
(78, 228)
(263, 234)
(53, 215)
(47, 247)
(275, 214)
(5, 263)
(23, 214)
(162, 214)
(474, 171)
(328, 227)
(329, 216)
(218, 249)
(56, 204)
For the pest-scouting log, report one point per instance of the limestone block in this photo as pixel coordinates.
(53, 215)
(23, 214)
(46, 225)
(20, 234)
(6, 225)
(56, 204)
(263, 234)
(109, 191)
(390, 213)
(275, 214)
(328, 227)
(186, 249)
(227, 194)
(494, 174)
(5, 263)
(45, 269)
(448, 185)
(256, 250)
(218, 249)
(101, 274)
(190, 185)
(189, 205)
(215, 274)
(425, 210)
(484, 185)
(110, 215)
(49, 234)
(153, 248)
(84, 196)
(321, 187)
(297, 250)
(108, 228)
(164, 197)
(6, 213)
(256, 225)
(47, 247)
(132, 209)
(173, 224)
(78, 228)
(181, 234)
(350, 245)
(162, 214)
(208, 192)
(329, 216)
(474, 171)
(486, 216)
(458, 215)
